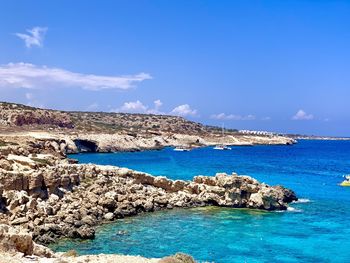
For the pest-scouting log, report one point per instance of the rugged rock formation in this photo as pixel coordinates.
(14, 240)
(20, 115)
(50, 196)
(68, 200)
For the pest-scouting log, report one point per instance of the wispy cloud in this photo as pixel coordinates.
(302, 115)
(35, 36)
(223, 116)
(29, 76)
(184, 110)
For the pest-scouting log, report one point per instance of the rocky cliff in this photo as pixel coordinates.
(14, 115)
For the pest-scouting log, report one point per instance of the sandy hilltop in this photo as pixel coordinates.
(44, 196)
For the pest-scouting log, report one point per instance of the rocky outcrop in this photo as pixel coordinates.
(69, 200)
(20, 115)
(52, 197)
(17, 240)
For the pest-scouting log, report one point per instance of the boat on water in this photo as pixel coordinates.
(181, 149)
(346, 182)
(222, 146)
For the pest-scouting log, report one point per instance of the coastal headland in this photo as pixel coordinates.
(45, 196)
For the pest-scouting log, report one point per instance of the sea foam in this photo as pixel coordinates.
(294, 210)
(302, 201)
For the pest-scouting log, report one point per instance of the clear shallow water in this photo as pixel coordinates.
(315, 231)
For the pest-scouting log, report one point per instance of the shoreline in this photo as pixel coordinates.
(51, 188)
(45, 196)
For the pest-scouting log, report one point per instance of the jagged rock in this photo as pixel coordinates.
(42, 251)
(19, 221)
(85, 232)
(15, 240)
(61, 199)
(109, 192)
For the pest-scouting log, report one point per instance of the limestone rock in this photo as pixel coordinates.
(15, 240)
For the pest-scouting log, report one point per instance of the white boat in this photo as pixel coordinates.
(222, 146)
(181, 149)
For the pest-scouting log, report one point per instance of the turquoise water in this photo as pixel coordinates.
(314, 230)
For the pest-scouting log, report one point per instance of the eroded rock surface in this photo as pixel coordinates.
(49, 196)
(68, 200)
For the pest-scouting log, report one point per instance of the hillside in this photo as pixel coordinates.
(13, 115)
(17, 115)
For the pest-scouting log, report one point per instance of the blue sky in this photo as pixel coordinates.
(269, 65)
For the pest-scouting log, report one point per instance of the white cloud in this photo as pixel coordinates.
(184, 110)
(29, 76)
(34, 38)
(157, 104)
(266, 118)
(223, 116)
(133, 107)
(302, 115)
(156, 107)
(139, 107)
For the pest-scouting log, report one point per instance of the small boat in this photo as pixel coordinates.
(346, 182)
(222, 147)
(181, 149)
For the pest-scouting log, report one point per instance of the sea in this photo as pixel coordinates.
(314, 229)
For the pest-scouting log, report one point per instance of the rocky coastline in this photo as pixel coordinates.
(44, 196)
(50, 196)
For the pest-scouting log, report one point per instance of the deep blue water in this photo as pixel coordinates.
(314, 231)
